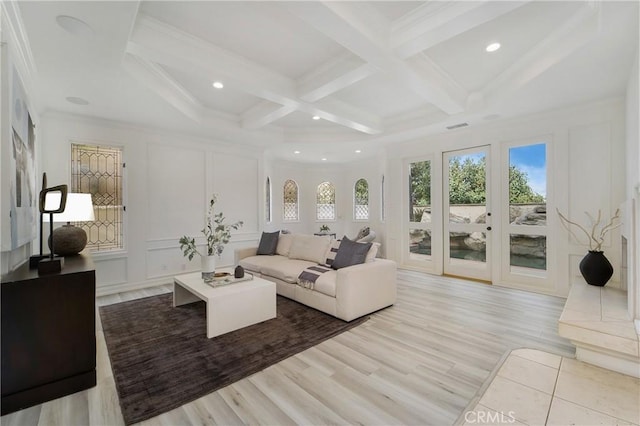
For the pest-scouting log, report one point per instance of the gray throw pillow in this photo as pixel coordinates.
(268, 243)
(350, 253)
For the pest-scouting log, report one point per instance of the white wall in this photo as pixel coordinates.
(586, 153)
(308, 177)
(632, 193)
(168, 180)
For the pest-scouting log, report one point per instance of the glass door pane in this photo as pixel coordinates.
(420, 210)
(467, 237)
(528, 206)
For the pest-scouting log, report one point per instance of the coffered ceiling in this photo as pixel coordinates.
(375, 73)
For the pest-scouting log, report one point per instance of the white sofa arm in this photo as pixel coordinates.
(240, 254)
(365, 288)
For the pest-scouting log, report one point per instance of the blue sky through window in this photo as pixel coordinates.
(532, 159)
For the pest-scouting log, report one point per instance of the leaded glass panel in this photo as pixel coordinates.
(361, 200)
(326, 201)
(290, 207)
(97, 170)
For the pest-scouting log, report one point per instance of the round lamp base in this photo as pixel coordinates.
(68, 240)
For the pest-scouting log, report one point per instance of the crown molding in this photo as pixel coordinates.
(22, 57)
(256, 140)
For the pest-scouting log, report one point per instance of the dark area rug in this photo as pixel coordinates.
(161, 357)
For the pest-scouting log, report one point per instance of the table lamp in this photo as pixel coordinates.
(69, 239)
(52, 200)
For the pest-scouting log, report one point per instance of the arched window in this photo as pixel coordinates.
(361, 200)
(267, 200)
(326, 201)
(290, 207)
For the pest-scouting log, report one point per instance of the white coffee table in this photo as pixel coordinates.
(229, 307)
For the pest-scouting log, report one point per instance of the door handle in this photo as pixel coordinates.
(488, 228)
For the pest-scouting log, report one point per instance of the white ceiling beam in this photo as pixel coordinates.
(436, 22)
(224, 126)
(332, 77)
(442, 86)
(425, 18)
(340, 112)
(157, 79)
(265, 113)
(575, 33)
(164, 44)
(345, 23)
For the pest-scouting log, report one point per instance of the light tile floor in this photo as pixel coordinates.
(538, 388)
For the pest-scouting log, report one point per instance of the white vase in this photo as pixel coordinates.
(209, 263)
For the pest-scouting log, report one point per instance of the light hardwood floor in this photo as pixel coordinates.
(419, 362)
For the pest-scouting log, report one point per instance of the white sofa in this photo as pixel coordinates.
(347, 293)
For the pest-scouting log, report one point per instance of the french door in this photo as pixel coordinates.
(467, 213)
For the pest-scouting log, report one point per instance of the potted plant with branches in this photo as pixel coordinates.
(216, 233)
(594, 267)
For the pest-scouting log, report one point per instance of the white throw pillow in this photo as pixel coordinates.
(332, 249)
(309, 247)
(371, 254)
(284, 244)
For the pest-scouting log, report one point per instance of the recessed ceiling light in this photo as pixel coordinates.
(74, 26)
(77, 101)
(358, 151)
(218, 85)
(493, 47)
(296, 152)
(324, 159)
(315, 117)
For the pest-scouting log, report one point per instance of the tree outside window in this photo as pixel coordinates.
(326, 201)
(361, 200)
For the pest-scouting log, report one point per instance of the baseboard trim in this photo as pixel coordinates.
(120, 288)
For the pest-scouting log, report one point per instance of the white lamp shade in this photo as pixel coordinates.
(79, 208)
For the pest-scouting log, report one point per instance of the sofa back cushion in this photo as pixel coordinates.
(284, 244)
(350, 253)
(309, 247)
(373, 252)
(268, 243)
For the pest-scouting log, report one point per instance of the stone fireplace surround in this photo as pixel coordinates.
(604, 322)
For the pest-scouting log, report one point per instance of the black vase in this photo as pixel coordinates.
(239, 272)
(595, 268)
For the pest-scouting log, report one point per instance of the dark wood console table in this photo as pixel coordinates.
(48, 333)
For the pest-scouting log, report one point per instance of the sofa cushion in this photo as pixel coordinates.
(350, 253)
(256, 263)
(326, 283)
(284, 244)
(268, 243)
(309, 247)
(286, 269)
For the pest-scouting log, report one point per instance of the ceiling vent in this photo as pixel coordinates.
(457, 126)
